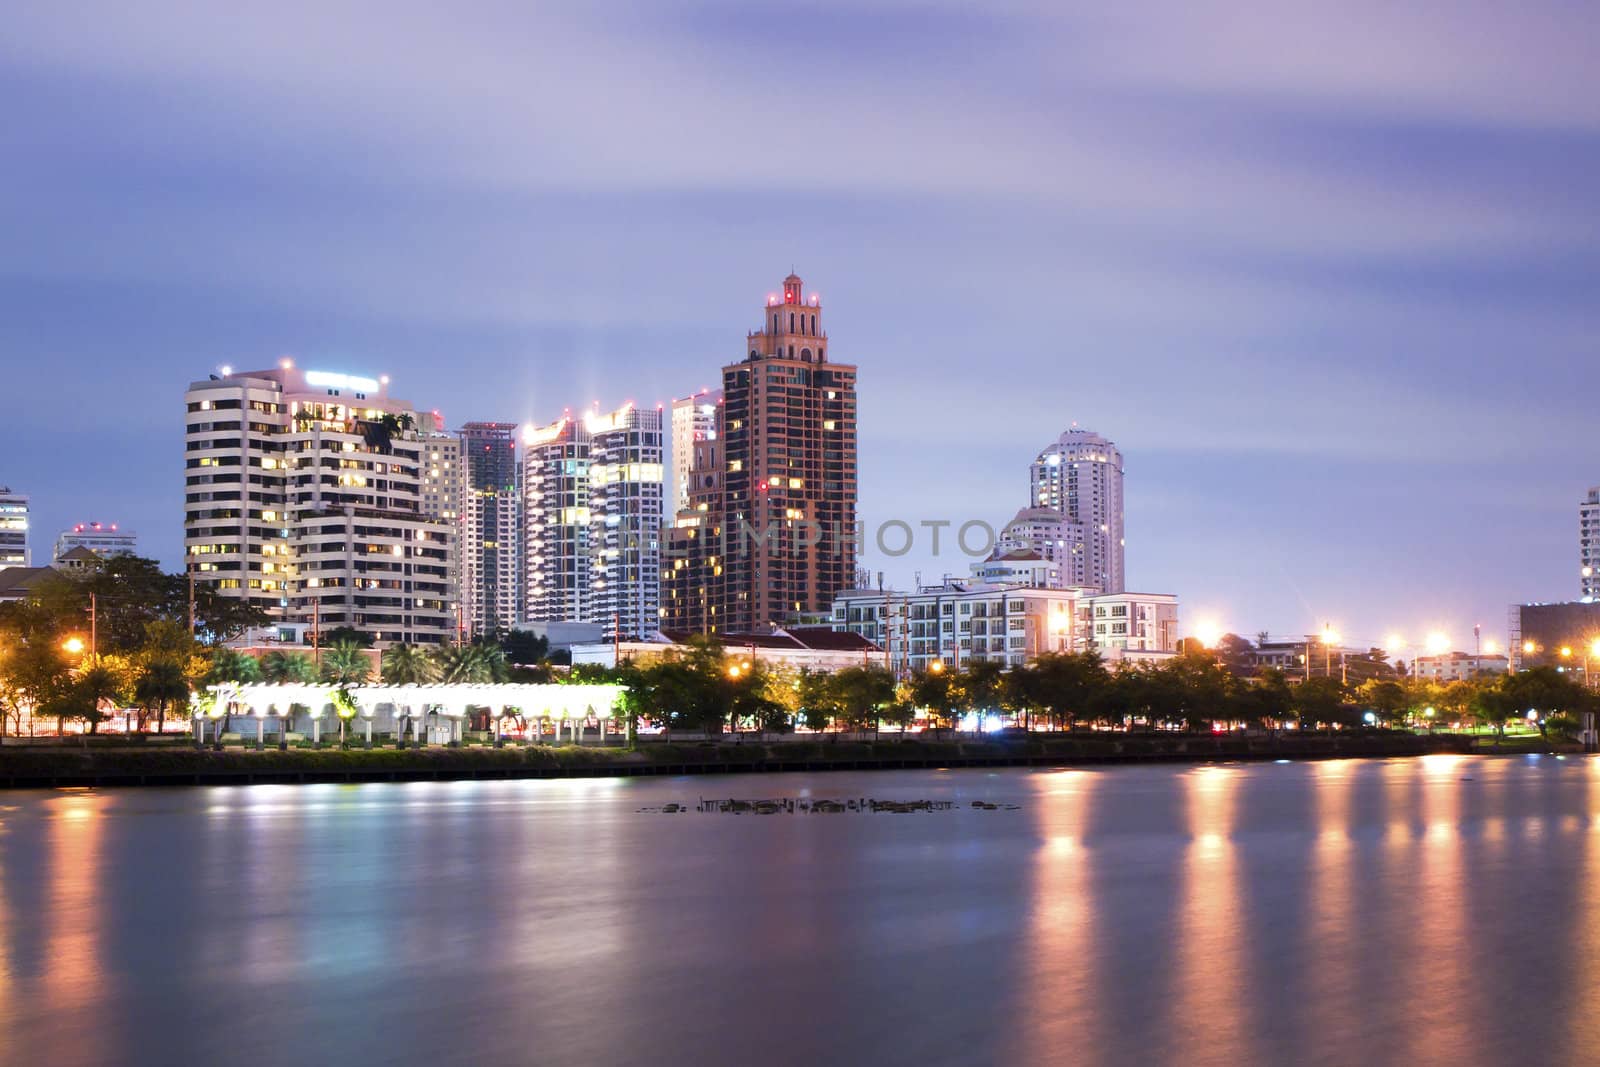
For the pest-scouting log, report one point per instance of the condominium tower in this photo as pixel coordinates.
(303, 497)
(489, 543)
(102, 538)
(1078, 477)
(785, 512)
(592, 507)
(694, 418)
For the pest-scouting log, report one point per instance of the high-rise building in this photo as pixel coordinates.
(102, 538)
(490, 545)
(555, 509)
(592, 492)
(788, 500)
(625, 510)
(1589, 545)
(692, 562)
(694, 418)
(1079, 476)
(13, 529)
(304, 497)
(442, 495)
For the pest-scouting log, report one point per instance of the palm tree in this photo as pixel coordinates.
(408, 665)
(161, 684)
(346, 664)
(468, 664)
(283, 667)
(228, 665)
(97, 685)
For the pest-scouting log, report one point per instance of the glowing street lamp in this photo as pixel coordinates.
(73, 646)
(937, 666)
(1438, 643)
(1208, 633)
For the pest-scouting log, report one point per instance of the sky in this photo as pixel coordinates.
(1325, 273)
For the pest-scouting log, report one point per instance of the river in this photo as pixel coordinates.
(1436, 910)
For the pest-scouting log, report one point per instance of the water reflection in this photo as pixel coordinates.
(1062, 986)
(1210, 986)
(1432, 910)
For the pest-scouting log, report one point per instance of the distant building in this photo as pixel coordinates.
(103, 539)
(490, 512)
(959, 622)
(1021, 566)
(13, 529)
(1458, 666)
(303, 497)
(1539, 633)
(592, 501)
(1589, 545)
(1079, 478)
(784, 515)
(694, 419)
(1309, 657)
(441, 500)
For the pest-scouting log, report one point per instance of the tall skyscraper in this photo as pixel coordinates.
(1589, 545)
(1079, 477)
(13, 529)
(490, 545)
(592, 492)
(787, 508)
(442, 491)
(303, 496)
(694, 418)
(625, 512)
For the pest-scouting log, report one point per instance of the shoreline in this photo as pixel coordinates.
(133, 766)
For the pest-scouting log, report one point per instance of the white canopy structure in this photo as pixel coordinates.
(289, 702)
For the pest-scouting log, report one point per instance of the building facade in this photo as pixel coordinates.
(442, 495)
(490, 550)
(1554, 635)
(961, 622)
(303, 497)
(1079, 477)
(1589, 546)
(626, 497)
(694, 420)
(787, 510)
(13, 529)
(103, 539)
(593, 492)
(1459, 666)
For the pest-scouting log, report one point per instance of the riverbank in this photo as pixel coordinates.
(136, 765)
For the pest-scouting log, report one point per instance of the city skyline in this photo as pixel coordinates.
(1324, 355)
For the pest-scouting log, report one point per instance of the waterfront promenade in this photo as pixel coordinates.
(168, 763)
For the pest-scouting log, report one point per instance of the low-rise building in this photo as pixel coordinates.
(1458, 666)
(813, 648)
(102, 538)
(959, 622)
(1539, 633)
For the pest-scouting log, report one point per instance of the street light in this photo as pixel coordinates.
(937, 666)
(73, 645)
(1208, 633)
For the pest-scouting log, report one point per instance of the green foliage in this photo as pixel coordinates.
(408, 665)
(346, 664)
(288, 667)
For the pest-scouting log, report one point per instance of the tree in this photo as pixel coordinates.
(859, 694)
(161, 684)
(470, 664)
(31, 673)
(346, 664)
(1388, 699)
(525, 649)
(818, 700)
(1319, 701)
(407, 665)
(1062, 684)
(99, 683)
(931, 689)
(283, 668)
(229, 665)
(978, 687)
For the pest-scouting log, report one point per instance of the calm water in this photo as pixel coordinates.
(1441, 910)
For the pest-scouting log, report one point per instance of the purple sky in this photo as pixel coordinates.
(1325, 272)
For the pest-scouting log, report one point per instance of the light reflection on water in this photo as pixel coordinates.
(1432, 910)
